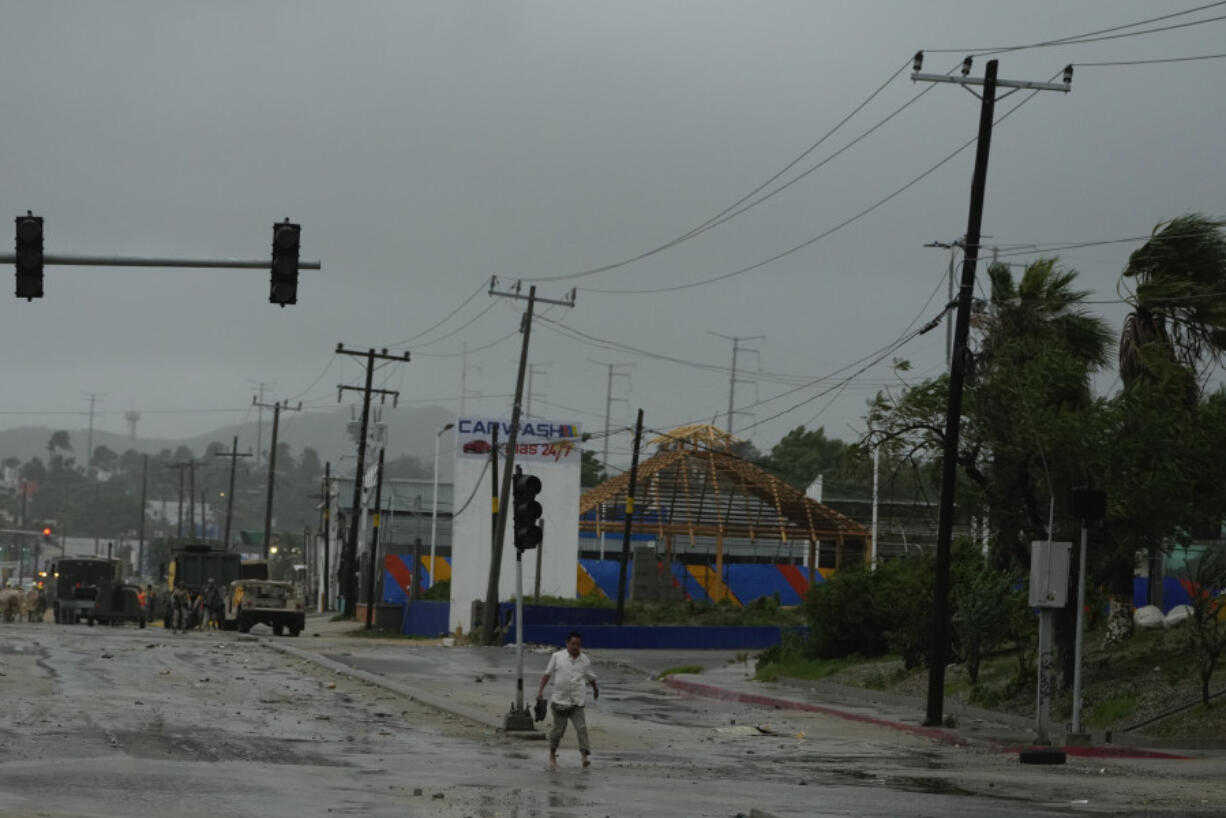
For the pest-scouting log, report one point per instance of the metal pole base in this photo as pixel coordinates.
(518, 721)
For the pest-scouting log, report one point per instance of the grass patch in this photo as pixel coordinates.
(884, 679)
(796, 668)
(1112, 711)
(680, 669)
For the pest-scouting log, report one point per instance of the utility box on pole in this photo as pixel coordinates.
(1049, 563)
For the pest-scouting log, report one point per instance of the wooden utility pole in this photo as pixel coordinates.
(327, 526)
(272, 463)
(144, 492)
(508, 468)
(233, 454)
(958, 362)
(188, 466)
(348, 566)
(634, 475)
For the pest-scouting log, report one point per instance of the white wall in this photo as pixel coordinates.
(473, 532)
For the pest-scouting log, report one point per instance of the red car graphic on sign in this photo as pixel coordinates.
(477, 447)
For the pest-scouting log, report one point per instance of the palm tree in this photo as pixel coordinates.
(1043, 305)
(1179, 304)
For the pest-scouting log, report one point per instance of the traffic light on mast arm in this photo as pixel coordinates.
(47, 535)
(29, 256)
(527, 510)
(286, 238)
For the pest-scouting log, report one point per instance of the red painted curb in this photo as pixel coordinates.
(713, 692)
(933, 733)
(1109, 752)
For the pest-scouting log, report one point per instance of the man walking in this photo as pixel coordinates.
(571, 671)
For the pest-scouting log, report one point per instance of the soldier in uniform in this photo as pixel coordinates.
(210, 605)
(180, 606)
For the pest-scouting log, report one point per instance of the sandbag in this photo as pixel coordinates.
(1149, 616)
(1177, 616)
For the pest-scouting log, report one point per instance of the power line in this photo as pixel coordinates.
(1073, 39)
(718, 218)
(1151, 62)
(807, 243)
(441, 321)
(739, 206)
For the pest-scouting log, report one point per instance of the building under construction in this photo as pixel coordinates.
(700, 509)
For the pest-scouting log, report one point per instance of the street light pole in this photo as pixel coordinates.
(434, 510)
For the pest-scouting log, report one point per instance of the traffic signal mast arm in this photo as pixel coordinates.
(29, 260)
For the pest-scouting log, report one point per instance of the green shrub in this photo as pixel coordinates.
(438, 592)
(846, 616)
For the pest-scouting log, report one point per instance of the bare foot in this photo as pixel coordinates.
(587, 762)
(553, 763)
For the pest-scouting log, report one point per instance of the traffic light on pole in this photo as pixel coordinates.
(29, 256)
(527, 510)
(286, 238)
(47, 536)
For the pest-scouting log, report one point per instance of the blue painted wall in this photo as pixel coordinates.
(647, 637)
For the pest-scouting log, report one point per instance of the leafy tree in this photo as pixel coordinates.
(801, 455)
(591, 470)
(1030, 419)
(59, 441)
(104, 459)
(1207, 624)
(980, 621)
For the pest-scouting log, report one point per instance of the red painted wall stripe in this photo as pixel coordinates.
(399, 571)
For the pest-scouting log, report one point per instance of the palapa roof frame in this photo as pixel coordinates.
(695, 486)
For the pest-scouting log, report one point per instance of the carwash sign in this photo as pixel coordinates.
(539, 441)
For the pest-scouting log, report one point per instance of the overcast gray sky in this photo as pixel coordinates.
(427, 146)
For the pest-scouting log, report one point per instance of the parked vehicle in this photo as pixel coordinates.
(74, 586)
(278, 605)
(194, 565)
(116, 603)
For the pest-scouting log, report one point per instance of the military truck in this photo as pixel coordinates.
(118, 602)
(74, 586)
(194, 565)
(278, 605)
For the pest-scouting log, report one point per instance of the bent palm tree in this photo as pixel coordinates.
(1179, 305)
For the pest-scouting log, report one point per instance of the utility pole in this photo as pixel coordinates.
(182, 466)
(89, 444)
(634, 475)
(233, 454)
(374, 547)
(952, 246)
(348, 562)
(500, 528)
(259, 422)
(957, 369)
(327, 530)
(272, 463)
(732, 381)
(608, 404)
(144, 493)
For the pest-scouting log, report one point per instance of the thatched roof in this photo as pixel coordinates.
(695, 486)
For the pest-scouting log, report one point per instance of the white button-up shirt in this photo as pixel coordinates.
(570, 677)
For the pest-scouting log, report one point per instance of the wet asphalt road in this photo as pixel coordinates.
(118, 721)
